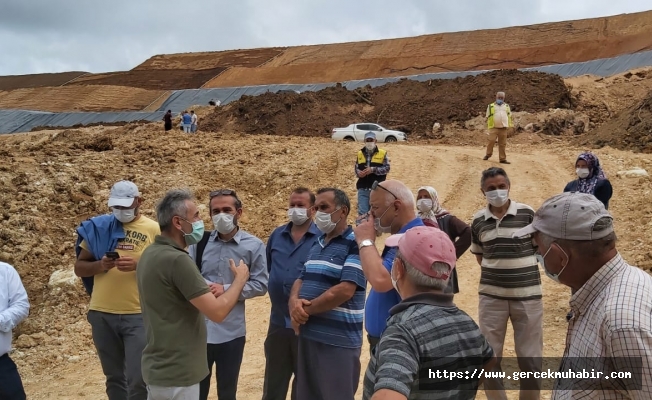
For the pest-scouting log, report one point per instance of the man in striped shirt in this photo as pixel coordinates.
(426, 333)
(510, 283)
(327, 305)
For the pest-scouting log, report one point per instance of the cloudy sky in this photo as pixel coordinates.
(39, 36)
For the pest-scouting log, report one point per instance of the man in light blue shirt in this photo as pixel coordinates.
(287, 251)
(14, 307)
(226, 340)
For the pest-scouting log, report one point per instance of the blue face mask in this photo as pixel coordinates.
(197, 233)
(499, 102)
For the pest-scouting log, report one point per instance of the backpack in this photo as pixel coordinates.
(200, 248)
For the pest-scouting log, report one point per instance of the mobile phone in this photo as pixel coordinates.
(112, 255)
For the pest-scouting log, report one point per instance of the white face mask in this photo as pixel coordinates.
(497, 198)
(541, 258)
(370, 146)
(382, 229)
(298, 216)
(394, 281)
(324, 221)
(223, 223)
(582, 172)
(424, 205)
(124, 216)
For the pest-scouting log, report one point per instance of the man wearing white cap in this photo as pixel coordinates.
(610, 325)
(426, 332)
(108, 249)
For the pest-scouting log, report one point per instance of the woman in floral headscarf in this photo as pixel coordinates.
(432, 214)
(591, 179)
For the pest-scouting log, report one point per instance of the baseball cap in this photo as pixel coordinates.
(369, 135)
(569, 216)
(123, 194)
(422, 246)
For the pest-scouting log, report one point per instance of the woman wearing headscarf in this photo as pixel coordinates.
(432, 214)
(591, 179)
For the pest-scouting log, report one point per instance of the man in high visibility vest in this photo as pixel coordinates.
(372, 164)
(499, 123)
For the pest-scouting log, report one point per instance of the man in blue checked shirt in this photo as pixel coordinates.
(287, 251)
(327, 305)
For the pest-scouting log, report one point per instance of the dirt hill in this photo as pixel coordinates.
(11, 82)
(407, 105)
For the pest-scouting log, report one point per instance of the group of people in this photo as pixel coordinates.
(188, 121)
(167, 297)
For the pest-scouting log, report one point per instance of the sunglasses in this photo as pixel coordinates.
(223, 192)
(376, 185)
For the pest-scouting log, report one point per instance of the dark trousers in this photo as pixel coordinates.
(373, 342)
(120, 340)
(227, 358)
(326, 372)
(281, 351)
(11, 386)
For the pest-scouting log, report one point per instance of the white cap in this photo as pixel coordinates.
(123, 194)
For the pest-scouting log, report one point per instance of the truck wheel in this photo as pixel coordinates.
(349, 139)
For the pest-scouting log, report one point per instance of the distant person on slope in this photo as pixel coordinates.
(432, 214)
(499, 122)
(372, 165)
(591, 179)
(167, 120)
(186, 119)
(193, 121)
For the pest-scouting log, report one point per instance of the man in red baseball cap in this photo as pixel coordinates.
(426, 333)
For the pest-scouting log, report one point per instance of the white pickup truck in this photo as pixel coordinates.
(356, 132)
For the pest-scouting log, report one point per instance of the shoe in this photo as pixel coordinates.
(505, 162)
(485, 158)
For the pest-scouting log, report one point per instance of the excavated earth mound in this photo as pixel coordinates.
(407, 105)
(12, 82)
(630, 130)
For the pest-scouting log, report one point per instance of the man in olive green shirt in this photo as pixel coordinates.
(173, 297)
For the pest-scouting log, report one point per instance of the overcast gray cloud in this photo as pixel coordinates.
(39, 36)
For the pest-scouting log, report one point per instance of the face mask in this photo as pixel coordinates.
(424, 205)
(324, 222)
(370, 146)
(394, 281)
(582, 172)
(124, 216)
(499, 102)
(540, 259)
(223, 223)
(497, 198)
(197, 233)
(379, 228)
(298, 216)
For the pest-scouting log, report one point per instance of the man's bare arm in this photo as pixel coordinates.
(87, 266)
(386, 394)
(374, 270)
(331, 298)
(217, 308)
(478, 258)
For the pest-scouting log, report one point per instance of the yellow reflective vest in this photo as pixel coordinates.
(490, 115)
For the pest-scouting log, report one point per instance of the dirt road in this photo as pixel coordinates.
(536, 173)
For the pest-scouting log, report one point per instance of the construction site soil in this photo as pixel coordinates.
(152, 79)
(11, 82)
(213, 59)
(50, 181)
(407, 105)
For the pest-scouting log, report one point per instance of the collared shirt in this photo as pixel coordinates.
(285, 259)
(379, 304)
(427, 331)
(611, 317)
(328, 265)
(509, 267)
(215, 268)
(14, 305)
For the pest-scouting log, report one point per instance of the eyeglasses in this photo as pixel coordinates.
(376, 185)
(223, 192)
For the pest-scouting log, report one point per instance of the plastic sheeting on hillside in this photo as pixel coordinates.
(180, 100)
(13, 121)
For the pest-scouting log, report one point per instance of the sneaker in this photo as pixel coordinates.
(505, 162)
(485, 158)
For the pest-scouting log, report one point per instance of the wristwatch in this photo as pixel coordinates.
(365, 243)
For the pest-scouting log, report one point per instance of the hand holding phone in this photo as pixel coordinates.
(113, 255)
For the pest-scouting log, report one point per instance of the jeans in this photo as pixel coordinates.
(11, 386)
(227, 358)
(363, 201)
(120, 340)
(173, 393)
